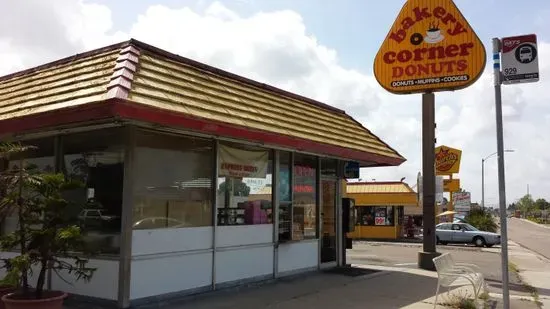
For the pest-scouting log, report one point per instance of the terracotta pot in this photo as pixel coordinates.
(4, 290)
(51, 300)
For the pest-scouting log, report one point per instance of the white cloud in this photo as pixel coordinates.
(276, 48)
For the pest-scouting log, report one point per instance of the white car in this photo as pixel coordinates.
(464, 233)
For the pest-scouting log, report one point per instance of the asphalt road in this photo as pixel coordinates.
(530, 236)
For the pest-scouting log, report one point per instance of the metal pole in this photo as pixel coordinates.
(428, 182)
(483, 183)
(501, 179)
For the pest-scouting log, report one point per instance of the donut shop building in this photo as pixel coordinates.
(213, 179)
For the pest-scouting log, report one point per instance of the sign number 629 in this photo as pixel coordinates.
(510, 71)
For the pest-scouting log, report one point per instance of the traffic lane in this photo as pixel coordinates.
(406, 255)
(531, 236)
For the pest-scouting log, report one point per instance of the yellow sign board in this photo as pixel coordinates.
(451, 185)
(447, 160)
(430, 47)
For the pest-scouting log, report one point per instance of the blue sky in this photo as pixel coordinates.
(322, 49)
(356, 28)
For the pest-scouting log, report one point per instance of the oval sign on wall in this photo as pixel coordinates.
(430, 47)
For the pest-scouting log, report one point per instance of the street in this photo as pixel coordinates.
(528, 245)
(405, 255)
(531, 236)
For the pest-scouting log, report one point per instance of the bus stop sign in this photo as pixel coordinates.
(520, 62)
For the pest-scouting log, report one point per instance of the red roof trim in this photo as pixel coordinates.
(116, 108)
(174, 119)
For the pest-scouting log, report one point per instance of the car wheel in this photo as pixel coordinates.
(444, 243)
(479, 241)
(437, 240)
(489, 246)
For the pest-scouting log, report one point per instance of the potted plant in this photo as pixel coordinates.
(46, 237)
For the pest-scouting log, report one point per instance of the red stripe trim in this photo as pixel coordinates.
(114, 108)
(154, 115)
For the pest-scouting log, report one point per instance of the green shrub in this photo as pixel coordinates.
(536, 220)
(482, 220)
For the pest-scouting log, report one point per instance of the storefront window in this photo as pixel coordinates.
(304, 207)
(172, 182)
(244, 185)
(376, 216)
(285, 196)
(38, 160)
(96, 159)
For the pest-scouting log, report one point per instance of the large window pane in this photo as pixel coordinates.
(40, 159)
(96, 159)
(172, 184)
(304, 210)
(244, 185)
(376, 216)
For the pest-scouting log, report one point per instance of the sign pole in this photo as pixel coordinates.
(451, 204)
(501, 180)
(428, 182)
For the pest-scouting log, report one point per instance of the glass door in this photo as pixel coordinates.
(328, 224)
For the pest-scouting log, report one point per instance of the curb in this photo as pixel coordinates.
(415, 245)
(534, 223)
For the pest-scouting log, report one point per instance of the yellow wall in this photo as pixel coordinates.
(375, 232)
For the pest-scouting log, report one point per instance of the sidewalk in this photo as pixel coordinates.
(534, 271)
(384, 288)
(367, 286)
(547, 226)
(379, 287)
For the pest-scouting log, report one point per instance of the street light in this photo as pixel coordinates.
(483, 175)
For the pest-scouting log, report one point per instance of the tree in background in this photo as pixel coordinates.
(541, 204)
(526, 204)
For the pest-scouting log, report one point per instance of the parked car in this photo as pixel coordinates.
(158, 223)
(464, 233)
(98, 218)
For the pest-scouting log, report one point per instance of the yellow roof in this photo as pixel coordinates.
(157, 79)
(382, 193)
(379, 187)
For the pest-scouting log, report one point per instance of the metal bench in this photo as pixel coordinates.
(453, 274)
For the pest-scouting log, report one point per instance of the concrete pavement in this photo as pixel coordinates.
(530, 251)
(385, 288)
(534, 271)
(392, 254)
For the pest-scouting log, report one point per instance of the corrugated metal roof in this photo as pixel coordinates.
(379, 187)
(152, 77)
(382, 193)
(76, 82)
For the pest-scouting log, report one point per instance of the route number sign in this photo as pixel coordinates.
(520, 62)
